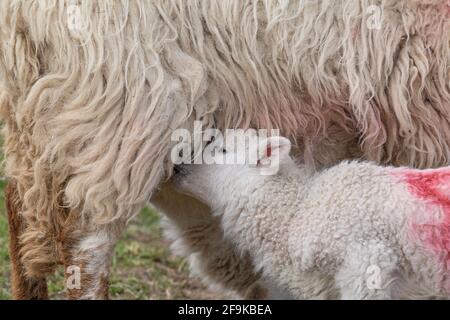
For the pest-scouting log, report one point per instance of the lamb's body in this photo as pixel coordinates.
(355, 230)
(330, 232)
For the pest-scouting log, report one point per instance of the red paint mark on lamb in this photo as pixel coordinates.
(430, 185)
(433, 187)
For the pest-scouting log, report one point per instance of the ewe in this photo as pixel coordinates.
(354, 231)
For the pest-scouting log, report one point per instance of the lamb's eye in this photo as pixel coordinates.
(210, 141)
(223, 150)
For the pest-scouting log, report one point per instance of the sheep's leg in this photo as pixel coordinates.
(87, 262)
(198, 236)
(22, 286)
(368, 272)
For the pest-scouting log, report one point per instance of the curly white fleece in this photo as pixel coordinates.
(346, 232)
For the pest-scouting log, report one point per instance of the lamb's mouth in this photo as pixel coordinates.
(180, 170)
(176, 170)
(180, 179)
(180, 173)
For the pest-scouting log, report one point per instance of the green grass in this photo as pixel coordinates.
(4, 257)
(143, 266)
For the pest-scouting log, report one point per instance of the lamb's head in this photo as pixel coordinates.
(232, 169)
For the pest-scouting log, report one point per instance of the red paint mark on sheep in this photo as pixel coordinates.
(433, 187)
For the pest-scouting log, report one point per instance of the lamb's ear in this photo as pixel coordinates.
(271, 147)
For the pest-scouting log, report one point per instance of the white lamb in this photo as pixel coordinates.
(354, 231)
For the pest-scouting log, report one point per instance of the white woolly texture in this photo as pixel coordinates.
(197, 235)
(89, 112)
(349, 231)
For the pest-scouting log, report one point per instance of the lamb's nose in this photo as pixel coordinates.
(180, 170)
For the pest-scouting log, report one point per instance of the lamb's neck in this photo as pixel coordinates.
(260, 222)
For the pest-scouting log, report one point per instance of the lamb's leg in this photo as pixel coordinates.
(22, 286)
(368, 272)
(87, 257)
(213, 258)
(198, 236)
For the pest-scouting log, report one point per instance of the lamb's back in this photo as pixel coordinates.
(351, 203)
